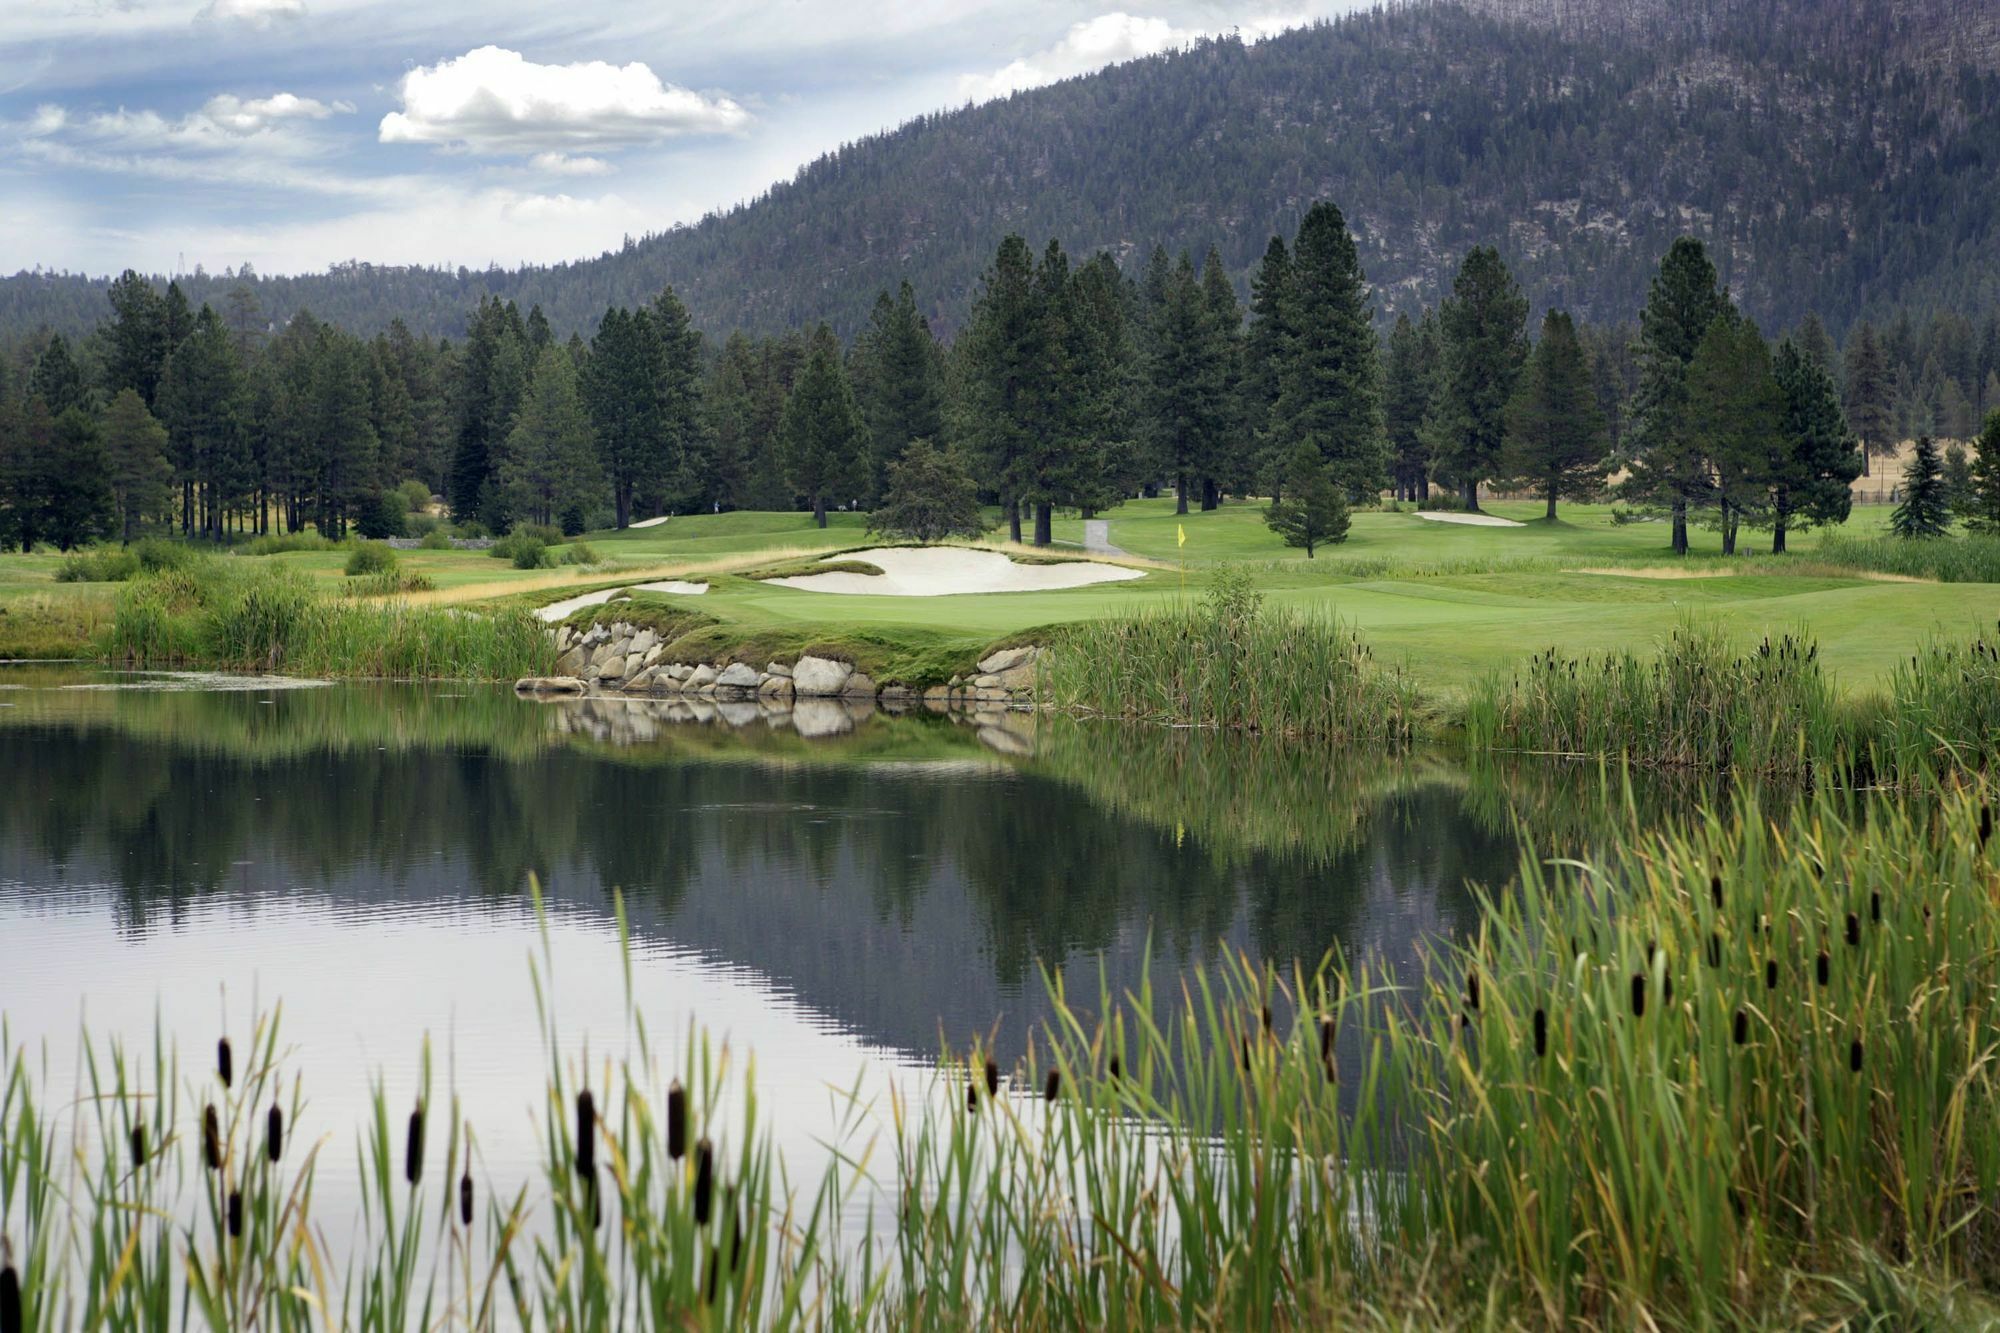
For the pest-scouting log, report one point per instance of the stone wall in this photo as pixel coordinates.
(620, 658)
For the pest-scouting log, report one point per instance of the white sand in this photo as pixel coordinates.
(557, 610)
(1470, 520)
(650, 522)
(942, 571)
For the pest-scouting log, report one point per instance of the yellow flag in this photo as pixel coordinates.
(1180, 533)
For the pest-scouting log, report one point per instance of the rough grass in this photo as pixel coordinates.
(1972, 558)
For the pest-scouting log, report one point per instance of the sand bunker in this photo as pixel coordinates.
(1470, 520)
(941, 571)
(557, 610)
(650, 522)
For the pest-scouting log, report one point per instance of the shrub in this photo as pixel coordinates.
(109, 564)
(279, 543)
(437, 539)
(525, 549)
(416, 496)
(471, 529)
(580, 553)
(383, 514)
(389, 582)
(421, 525)
(157, 553)
(370, 558)
(546, 533)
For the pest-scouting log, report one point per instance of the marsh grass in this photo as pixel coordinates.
(264, 619)
(1230, 663)
(1968, 558)
(1503, 1138)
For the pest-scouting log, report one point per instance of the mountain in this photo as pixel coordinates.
(1843, 159)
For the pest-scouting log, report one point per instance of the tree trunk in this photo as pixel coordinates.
(1209, 498)
(1180, 494)
(1778, 535)
(1864, 458)
(1680, 527)
(1043, 513)
(1552, 503)
(1471, 496)
(819, 510)
(1423, 488)
(1014, 521)
(622, 498)
(1728, 529)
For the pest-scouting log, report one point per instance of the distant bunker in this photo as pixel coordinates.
(944, 571)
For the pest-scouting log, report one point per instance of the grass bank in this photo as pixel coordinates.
(1737, 1073)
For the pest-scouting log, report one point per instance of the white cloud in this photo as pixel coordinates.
(562, 164)
(1105, 40)
(249, 116)
(224, 123)
(492, 100)
(256, 13)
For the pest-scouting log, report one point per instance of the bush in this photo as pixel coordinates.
(580, 553)
(157, 553)
(471, 529)
(390, 582)
(370, 558)
(437, 539)
(416, 496)
(421, 525)
(111, 564)
(546, 533)
(383, 514)
(279, 543)
(525, 549)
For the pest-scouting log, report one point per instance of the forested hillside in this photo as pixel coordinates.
(1847, 167)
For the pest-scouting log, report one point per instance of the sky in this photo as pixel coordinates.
(294, 134)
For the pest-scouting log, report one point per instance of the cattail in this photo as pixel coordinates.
(586, 1134)
(704, 1181)
(1985, 824)
(10, 1298)
(1638, 995)
(1770, 974)
(992, 1078)
(1875, 907)
(138, 1146)
(1854, 1056)
(1117, 1070)
(1541, 1034)
(1715, 890)
(1736, 1202)
(971, 1095)
(1823, 968)
(413, 1148)
(1052, 1085)
(1667, 989)
(236, 1214)
(1742, 1027)
(1715, 950)
(1267, 1020)
(1853, 929)
(211, 1138)
(274, 1133)
(1472, 989)
(465, 1198)
(677, 1121)
(225, 1065)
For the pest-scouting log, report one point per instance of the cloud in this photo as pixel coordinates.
(224, 123)
(1105, 40)
(495, 101)
(562, 164)
(256, 13)
(240, 116)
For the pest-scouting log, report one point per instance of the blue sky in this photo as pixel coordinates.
(291, 134)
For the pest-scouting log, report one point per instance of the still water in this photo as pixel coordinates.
(839, 895)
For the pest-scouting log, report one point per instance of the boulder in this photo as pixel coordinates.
(896, 694)
(700, 676)
(986, 682)
(738, 675)
(643, 640)
(643, 680)
(778, 669)
(571, 663)
(1005, 660)
(858, 686)
(653, 654)
(549, 685)
(820, 677)
(634, 664)
(680, 671)
(776, 687)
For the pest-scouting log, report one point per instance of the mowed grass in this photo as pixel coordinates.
(1453, 603)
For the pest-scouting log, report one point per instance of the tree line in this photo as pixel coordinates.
(1073, 385)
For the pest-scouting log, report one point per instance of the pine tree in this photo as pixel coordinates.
(140, 472)
(1984, 514)
(57, 379)
(673, 484)
(1313, 512)
(1736, 413)
(25, 451)
(1925, 510)
(1102, 384)
(1869, 390)
(1002, 376)
(1266, 349)
(548, 465)
(77, 505)
(203, 402)
(622, 385)
(1556, 441)
(1229, 464)
(1186, 395)
(822, 428)
(493, 375)
(1330, 389)
(1669, 466)
(345, 453)
(930, 497)
(136, 340)
(903, 399)
(1408, 385)
(1485, 344)
(1813, 483)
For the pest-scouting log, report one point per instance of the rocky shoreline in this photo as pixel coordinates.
(624, 659)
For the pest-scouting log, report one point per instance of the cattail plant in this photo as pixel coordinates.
(138, 1146)
(1823, 968)
(10, 1291)
(1875, 907)
(1853, 929)
(1715, 890)
(1115, 1069)
(677, 1121)
(1638, 995)
(236, 1214)
(465, 1198)
(211, 1138)
(1770, 974)
(274, 1133)
(1541, 1033)
(1742, 1027)
(1472, 989)
(586, 1135)
(225, 1065)
(1052, 1085)
(413, 1148)
(1854, 1056)
(992, 1077)
(704, 1181)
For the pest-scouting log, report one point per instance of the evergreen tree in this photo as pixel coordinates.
(624, 385)
(1556, 441)
(202, 396)
(136, 341)
(57, 379)
(729, 406)
(1057, 465)
(136, 460)
(1984, 514)
(1812, 483)
(77, 505)
(1485, 344)
(672, 484)
(26, 432)
(344, 452)
(1102, 365)
(1813, 343)
(1266, 349)
(930, 497)
(1330, 390)
(822, 428)
(493, 375)
(548, 466)
(1312, 512)
(1868, 387)
(1669, 466)
(1736, 415)
(1187, 399)
(903, 398)
(1925, 510)
(1408, 385)
(1230, 465)
(1002, 376)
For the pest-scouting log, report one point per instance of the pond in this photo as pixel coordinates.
(839, 894)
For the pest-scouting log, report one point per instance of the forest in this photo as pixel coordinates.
(1073, 385)
(1831, 162)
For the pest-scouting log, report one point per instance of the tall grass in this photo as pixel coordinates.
(1695, 704)
(1740, 1073)
(1970, 558)
(1234, 664)
(268, 619)
(1943, 709)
